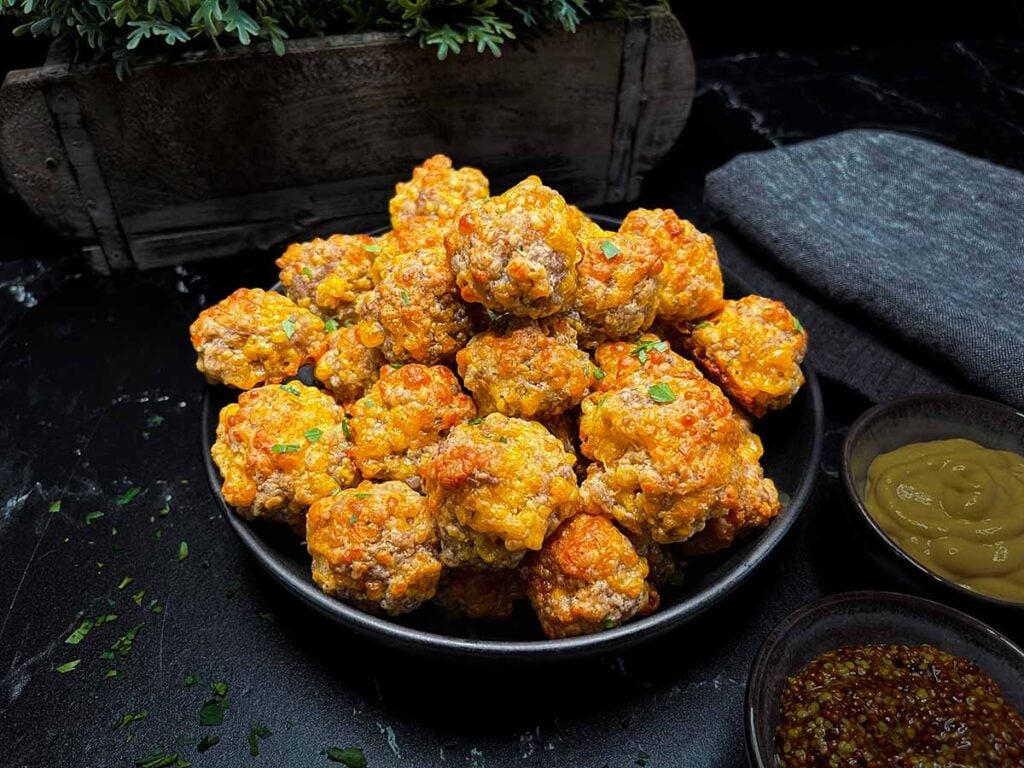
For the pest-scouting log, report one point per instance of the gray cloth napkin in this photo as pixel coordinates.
(903, 258)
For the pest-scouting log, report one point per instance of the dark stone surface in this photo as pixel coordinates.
(89, 362)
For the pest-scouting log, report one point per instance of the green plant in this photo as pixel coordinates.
(118, 29)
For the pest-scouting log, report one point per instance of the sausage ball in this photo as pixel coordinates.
(690, 283)
(669, 455)
(279, 449)
(348, 367)
(752, 349)
(375, 546)
(617, 291)
(254, 337)
(402, 416)
(497, 487)
(587, 577)
(478, 593)
(327, 276)
(648, 355)
(529, 368)
(435, 191)
(414, 313)
(395, 246)
(517, 252)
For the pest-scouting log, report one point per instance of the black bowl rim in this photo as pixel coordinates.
(822, 607)
(853, 492)
(608, 641)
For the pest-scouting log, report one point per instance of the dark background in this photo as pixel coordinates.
(715, 30)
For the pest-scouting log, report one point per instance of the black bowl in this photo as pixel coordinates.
(792, 448)
(913, 419)
(861, 618)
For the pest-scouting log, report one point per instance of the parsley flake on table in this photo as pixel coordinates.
(164, 510)
(208, 742)
(330, 325)
(290, 390)
(288, 326)
(129, 717)
(212, 712)
(137, 597)
(313, 434)
(92, 517)
(609, 249)
(256, 733)
(642, 758)
(182, 551)
(219, 688)
(797, 324)
(111, 673)
(55, 506)
(642, 348)
(125, 582)
(155, 420)
(285, 448)
(351, 757)
(161, 760)
(123, 645)
(68, 666)
(127, 496)
(79, 634)
(661, 393)
(191, 680)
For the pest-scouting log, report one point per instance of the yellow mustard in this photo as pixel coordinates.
(958, 509)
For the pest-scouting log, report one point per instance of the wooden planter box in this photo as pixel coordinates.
(217, 154)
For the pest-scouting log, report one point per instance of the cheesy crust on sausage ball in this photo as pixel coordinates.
(690, 282)
(254, 337)
(404, 415)
(647, 355)
(279, 449)
(669, 454)
(436, 191)
(526, 368)
(617, 291)
(517, 252)
(327, 276)
(375, 545)
(587, 577)
(752, 349)
(348, 367)
(396, 246)
(498, 488)
(414, 314)
(479, 593)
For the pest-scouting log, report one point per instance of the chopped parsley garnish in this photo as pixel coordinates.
(212, 712)
(369, 403)
(191, 680)
(476, 421)
(164, 510)
(352, 518)
(609, 249)
(372, 248)
(256, 733)
(92, 517)
(123, 645)
(79, 634)
(492, 315)
(661, 393)
(702, 324)
(598, 373)
(351, 757)
(182, 551)
(68, 666)
(288, 326)
(608, 624)
(55, 506)
(641, 349)
(219, 688)
(155, 420)
(345, 428)
(106, 618)
(405, 297)
(642, 758)
(313, 434)
(396, 366)
(362, 495)
(111, 673)
(307, 272)
(290, 390)
(285, 447)
(129, 717)
(125, 582)
(137, 597)
(208, 742)
(127, 496)
(330, 325)
(601, 400)
(797, 324)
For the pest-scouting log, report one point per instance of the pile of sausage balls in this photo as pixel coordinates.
(495, 419)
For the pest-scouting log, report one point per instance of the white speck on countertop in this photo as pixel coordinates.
(389, 732)
(476, 758)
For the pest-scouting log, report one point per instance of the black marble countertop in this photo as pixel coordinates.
(101, 397)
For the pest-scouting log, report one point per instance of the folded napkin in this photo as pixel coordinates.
(904, 259)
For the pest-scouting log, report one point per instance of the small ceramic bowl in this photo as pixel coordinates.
(915, 419)
(861, 618)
